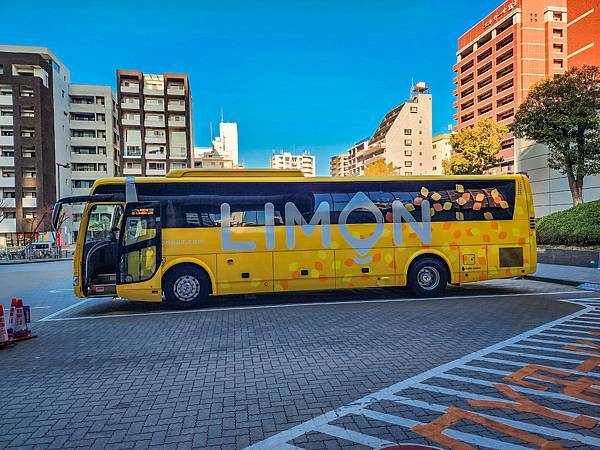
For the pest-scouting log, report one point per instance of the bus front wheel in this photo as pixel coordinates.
(427, 277)
(186, 286)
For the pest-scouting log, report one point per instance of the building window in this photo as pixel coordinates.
(558, 63)
(7, 132)
(156, 166)
(10, 215)
(8, 173)
(557, 16)
(26, 91)
(82, 184)
(27, 132)
(7, 153)
(408, 174)
(28, 151)
(407, 163)
(1, 69)
(558, 33)
(9, 194)
(407, 131)
(414, 109)
(29, 173)
(558, 48)
(408, 142)
(27, 111)
(407, 152)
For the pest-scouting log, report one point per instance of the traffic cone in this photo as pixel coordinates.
(5, 342)
(22, 332)
(11, 318)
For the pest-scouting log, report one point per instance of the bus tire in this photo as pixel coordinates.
(186, 286)
(427, 277)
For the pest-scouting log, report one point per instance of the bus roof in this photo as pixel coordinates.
(278, 175)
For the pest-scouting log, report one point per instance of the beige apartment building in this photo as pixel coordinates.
(339, 165)
(403, 137)
(155, 113)
(93, 141)
(441, 150)
(286, 160)
(356, 165)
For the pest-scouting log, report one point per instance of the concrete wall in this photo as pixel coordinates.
(550, 188)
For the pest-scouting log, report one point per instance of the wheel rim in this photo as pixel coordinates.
(186, 288)
(428, 278)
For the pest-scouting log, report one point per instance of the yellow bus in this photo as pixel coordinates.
(197, 233)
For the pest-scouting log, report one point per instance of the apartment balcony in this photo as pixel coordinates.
(156, 156)
(29, 202)
(172, 90)
(6, 120)
(131, 122)
(130, 89)
(88, 174)
(7, 182)
(87, 141)
(135, 105)
(7, 161)
(132, 171)
(154, 123)
(177, 153)
(8, 226)
(84, 124)
(153, 91)
(6, 100)
(156, 172)
(154, 107)
(7, 141)
(179, 122)
(155, 139)
(9, 203)
(176, 106)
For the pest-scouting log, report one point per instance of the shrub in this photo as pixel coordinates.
(575, 226)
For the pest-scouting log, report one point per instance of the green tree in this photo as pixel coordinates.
(380, 168)
(475, 149)
(564, 114)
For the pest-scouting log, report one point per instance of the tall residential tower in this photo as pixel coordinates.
(155, 113)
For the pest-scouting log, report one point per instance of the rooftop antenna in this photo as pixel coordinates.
(211, 133)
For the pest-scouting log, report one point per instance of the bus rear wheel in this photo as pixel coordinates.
(186, 286)
(427, 277)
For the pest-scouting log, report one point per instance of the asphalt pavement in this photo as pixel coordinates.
(347, 369)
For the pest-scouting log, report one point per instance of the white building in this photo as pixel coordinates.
(285, 160)
(226, 144)
(403, 137)
(550, 188)
(94, 140)
(441, 151)
(209, 158)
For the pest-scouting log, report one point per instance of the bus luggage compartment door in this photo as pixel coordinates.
(241, 273)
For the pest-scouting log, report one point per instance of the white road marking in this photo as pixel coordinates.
(553, 395)
(309, 304)
(535, 356)
(40, 307)
(522, 364)
(513, 423)
(553, 350)
(58, 313)
(419, 382)
(573, 338)
(56, 291)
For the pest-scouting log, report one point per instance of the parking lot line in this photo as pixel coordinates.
(54, 318)
(68, 308)
(561, 404)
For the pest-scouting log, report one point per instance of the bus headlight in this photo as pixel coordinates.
(75, 281)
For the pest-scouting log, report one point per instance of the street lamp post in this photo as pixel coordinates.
(58, 166)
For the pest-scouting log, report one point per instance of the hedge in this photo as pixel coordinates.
(579, 226)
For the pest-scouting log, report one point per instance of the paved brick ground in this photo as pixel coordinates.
(119, 377)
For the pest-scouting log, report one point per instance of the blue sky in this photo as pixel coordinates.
(310, 75)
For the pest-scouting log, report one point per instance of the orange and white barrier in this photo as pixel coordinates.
(4, 340)
(11, 318)
(22, 331)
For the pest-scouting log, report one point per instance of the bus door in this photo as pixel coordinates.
(139, 253)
